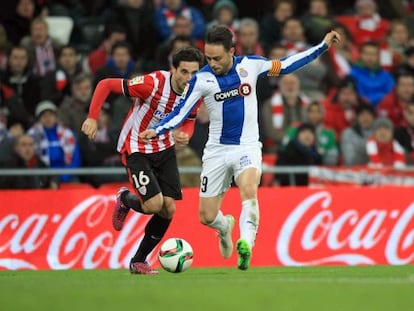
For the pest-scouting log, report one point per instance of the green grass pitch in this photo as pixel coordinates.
(307, 288)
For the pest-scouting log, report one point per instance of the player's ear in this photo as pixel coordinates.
(231, 51)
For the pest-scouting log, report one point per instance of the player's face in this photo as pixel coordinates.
(218, 58)
(182, 74)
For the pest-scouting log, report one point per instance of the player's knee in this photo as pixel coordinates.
(206, 216)
(153, 205)
(248, 191)
(168, 209)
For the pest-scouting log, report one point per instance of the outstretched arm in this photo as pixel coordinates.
(102, 90)
(294, 62)
(180, 113)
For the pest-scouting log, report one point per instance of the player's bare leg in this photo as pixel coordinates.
(248, 182)
(212, 216)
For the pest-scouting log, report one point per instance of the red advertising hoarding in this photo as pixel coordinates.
(71, 229)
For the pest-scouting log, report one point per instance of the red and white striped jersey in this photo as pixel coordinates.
(154, 99)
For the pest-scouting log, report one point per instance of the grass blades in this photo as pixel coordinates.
(274, 288)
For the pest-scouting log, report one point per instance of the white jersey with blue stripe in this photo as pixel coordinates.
(231, 98)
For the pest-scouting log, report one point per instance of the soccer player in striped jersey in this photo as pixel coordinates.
(228, 86)
(152, 168)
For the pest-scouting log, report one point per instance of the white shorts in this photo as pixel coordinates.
(222, 162)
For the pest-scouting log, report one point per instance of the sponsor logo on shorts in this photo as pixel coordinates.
(245, 161)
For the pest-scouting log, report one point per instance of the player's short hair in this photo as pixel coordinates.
(188, 54)
(220, 35)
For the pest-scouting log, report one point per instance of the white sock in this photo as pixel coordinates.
(249, 220)
(220, 223)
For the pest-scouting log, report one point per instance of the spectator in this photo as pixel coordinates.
(182, 28)
(366, 25)
(7, 143)
(136, 17)
(164, 57)
(98, 57)
(272, 23)
(344, 53)
(18, 24)
(317, 21)
(55, 144)
(373, 82)
(293, 36)
(407, 66)
(341, 105)
(392, 54)
(325, 137)
(101, 151)
(42, 49)
(393, 104)
(404, 133)
(74, 109)
(301, 151)
(56, 84)
(24, 83)
(165, 17)
(354, 138)
(383, 150)
(4, 46)
(247, 42)
(225, 13)
(284, 109)
(313, 76)
(25, 157)
(119, 65)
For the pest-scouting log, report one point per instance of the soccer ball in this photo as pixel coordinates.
(175, 255)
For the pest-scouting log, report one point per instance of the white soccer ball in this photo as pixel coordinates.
(175, 255)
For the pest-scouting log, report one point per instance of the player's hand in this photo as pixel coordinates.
(147, 135)
(181, 138)
(332, 37)
(90, 127)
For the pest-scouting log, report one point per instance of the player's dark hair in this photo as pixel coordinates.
(220, 35)
(188, 54)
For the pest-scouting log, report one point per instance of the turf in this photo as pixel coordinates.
(307, 288)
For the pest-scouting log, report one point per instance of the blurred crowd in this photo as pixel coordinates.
(353, 106)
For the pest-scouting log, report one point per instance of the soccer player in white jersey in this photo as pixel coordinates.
(228, 86)
(152, 168)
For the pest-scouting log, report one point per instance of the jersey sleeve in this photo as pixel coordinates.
(188, 102)
(294, 62)
(140, 86)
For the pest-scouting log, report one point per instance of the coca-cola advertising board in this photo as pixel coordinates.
(71, 229)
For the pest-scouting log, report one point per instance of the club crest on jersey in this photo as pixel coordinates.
(243, 73)
(243, 90)
(136, 80)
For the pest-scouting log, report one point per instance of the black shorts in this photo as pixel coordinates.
(154, 173)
